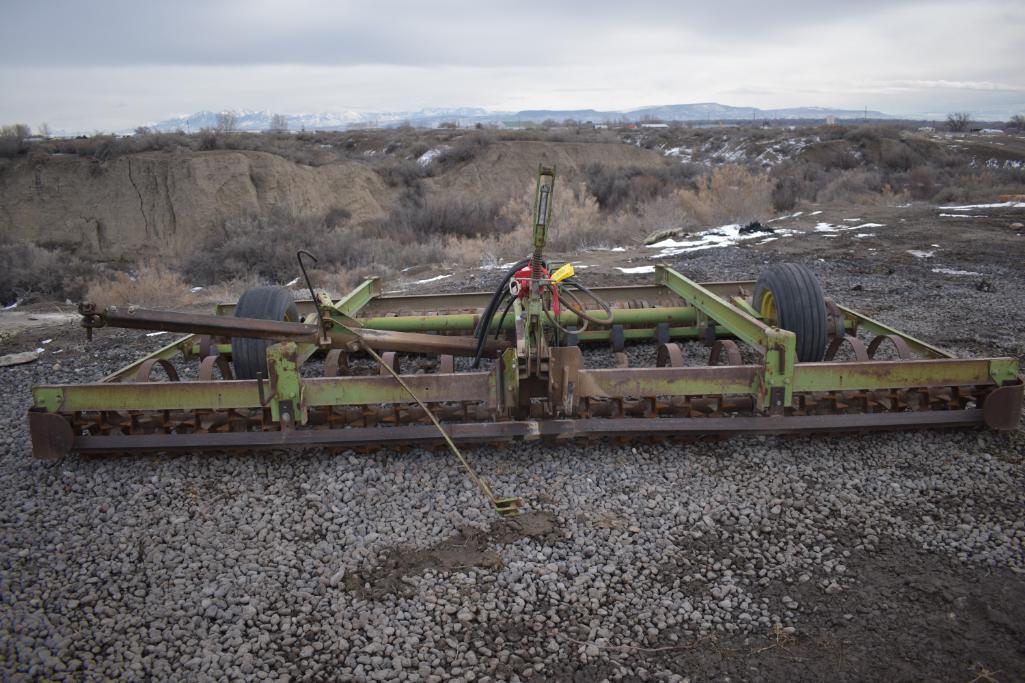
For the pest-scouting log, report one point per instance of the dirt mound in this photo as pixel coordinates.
(159, 203)
(508, 167)
(471, 547)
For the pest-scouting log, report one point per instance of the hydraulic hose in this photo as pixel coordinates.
(489, 312)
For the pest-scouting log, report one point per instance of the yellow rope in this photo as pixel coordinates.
(504, 506)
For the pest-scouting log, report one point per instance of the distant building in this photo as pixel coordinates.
(926, 129)
(991, 131)
(830, 120)
(654, 125)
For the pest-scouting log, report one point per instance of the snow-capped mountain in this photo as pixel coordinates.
(342, 119)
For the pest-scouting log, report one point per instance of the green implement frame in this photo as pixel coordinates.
(519, 375)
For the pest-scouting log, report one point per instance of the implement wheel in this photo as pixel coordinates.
(249, 356)
(789, 296)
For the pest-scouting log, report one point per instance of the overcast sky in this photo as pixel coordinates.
(115, 64)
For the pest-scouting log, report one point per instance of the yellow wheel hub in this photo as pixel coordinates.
(767, 308)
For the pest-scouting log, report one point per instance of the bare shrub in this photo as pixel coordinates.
(577, 221)
(463, 149)
(150, 285)
(921, 182)
(959, 121)
(227, 122)
(12, 139)
(27, 269)
(731, 194)
(626, 187)
(337, 216)
(278, 123)
(854, 187)
(263, 248)
(896, 156)
(402, 173)
(420, 217)
(785, 192)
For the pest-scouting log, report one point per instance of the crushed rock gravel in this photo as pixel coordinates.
(893, 556)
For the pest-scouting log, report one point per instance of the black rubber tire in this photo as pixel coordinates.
(800, 306)
(662, 333)
(617, 338)
(571, 338)
(249, 356)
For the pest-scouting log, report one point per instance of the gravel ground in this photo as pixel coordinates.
(897, 556)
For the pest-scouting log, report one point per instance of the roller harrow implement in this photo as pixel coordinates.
(770, 356)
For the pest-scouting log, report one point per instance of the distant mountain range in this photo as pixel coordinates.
(340, 120)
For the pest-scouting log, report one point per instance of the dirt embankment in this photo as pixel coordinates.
(163, 203)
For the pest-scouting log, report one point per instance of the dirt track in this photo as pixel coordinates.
(890, 557)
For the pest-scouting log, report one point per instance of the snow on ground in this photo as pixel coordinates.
(783, 218)
(729, 235)
(963, 215)
(954, 271)
(498, 266)
(830, 227)
(1002, 205)
(429, 156)
(433, 279)
(637, 270)
(919, 253)
(722, 236)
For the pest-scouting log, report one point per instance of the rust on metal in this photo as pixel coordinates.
(1002, 408)
(857, 346)
(51, 435)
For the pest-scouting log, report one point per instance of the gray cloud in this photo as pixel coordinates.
(114, 64)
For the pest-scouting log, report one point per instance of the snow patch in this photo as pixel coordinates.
(783, 218)
(429, 156)
(723, 236)
(830, 227)
(155, 334)
(637, 270)
(919, 253)
(1003, 205)
(433, 279)
(962, 215)
(954, 271)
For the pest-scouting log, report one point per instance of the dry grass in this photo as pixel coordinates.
(151, 285)
(731, 194)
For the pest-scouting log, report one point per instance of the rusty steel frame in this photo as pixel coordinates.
(557, 399)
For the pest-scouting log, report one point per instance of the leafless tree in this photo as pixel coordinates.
(1017, 121)
(227, 122)
(44, 130)
(17, 131)
(959, 121)
(278, 123)
(143, 130)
